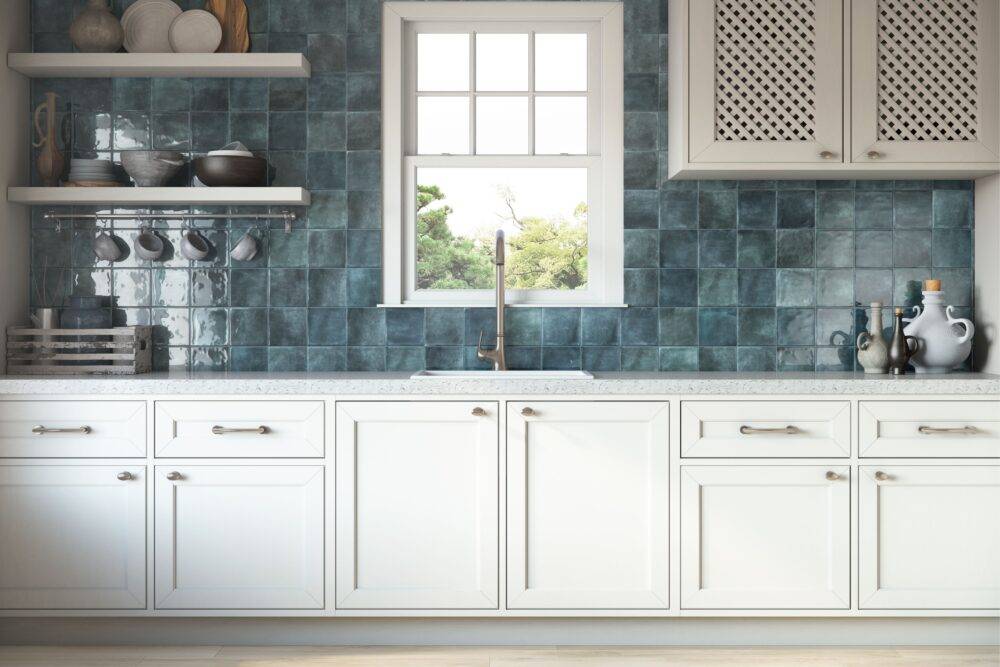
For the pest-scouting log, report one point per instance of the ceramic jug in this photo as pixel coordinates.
(96, 29)
(942, 348)
(50, 161)
(873, 353)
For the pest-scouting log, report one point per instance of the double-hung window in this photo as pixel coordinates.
(502, 115)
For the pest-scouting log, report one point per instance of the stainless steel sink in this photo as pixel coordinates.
(504, 375)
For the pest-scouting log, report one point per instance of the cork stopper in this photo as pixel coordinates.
(932, 285)
(898, 310)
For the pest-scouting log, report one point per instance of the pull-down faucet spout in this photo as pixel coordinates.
(496, 355)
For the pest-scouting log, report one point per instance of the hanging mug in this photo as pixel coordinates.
(147, 244)
(194, 246)
(245, 249)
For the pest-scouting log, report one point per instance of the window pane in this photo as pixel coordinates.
(442, 62)
(542, 210)
(501, 62)
(442, 125)
(501, 125)
(561, 62)
(560, 125)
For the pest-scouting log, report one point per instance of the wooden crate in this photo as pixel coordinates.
(118, 351)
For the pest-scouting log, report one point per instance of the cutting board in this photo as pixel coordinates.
(232, 15)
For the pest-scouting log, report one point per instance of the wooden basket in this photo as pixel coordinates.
(118, 351)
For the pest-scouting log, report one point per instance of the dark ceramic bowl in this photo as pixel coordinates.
(234, 171)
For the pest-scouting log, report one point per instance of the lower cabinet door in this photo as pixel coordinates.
(417, 507)
(929, 537)
(587, 505)
(72, 537)
(765, 537)
(239, 537)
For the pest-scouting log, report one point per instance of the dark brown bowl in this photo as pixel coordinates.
(234, 171)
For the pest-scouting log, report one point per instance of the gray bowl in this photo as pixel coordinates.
(150, 169)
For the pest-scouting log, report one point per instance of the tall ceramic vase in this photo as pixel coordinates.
(50, 161)
(96, 29)
(873, 353)
(942, 347)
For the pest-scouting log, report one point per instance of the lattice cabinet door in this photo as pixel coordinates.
(924, 81)
(765, 81)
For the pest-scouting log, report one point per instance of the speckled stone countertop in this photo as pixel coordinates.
(341, 384)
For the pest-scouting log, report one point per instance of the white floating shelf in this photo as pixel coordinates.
(158, 196)
(227, 65)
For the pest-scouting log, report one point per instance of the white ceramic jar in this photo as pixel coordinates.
(942, 348)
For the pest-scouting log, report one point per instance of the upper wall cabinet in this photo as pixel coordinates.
(833, 89)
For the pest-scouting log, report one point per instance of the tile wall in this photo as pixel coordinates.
(719, 275)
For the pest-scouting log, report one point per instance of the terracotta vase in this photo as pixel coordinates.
(50, 162)
(96, 29)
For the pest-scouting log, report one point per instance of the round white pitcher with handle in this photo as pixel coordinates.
(942, 347)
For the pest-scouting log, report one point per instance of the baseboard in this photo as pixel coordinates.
(500, 632)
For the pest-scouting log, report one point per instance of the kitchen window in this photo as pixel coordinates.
(502, 115)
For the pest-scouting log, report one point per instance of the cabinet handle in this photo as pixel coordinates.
(222, 430)
(832, 476)
(478, 412)
(961, 430)
(174, 476)
(42, 430)
(827, 155)
(527, 412)
(784, 430)
(881, 476)
(874, 155)
(125, 476)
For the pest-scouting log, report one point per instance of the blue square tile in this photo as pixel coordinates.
(444, 326)
(678, 209)
(872, 285)
(756, 287)
(248, 359)
(328, 210)
(404, 326)
(638, 359)
(757, 209)
(364, 170)
(912, 209)
(641, 248)
(874, 210)
(209, 94)
(404, 359)
(364, 287)
(524, 326)
(795, 287)
(561, 358)
(445, 358)
(796, 209)
(369, 359)
(287, 94)
(834, 287)
(561, 326)
(835, 327)
(361, 91)
(835, 249)
(326, 359)
(327, 287)
(755, 249)
(717, 209)
(248, 94)
(642, 209)
(327, 247)
(364, 130)
(678, 287)
(641, 287)
(874, 249)
(480, 323)
(641, 168)
(717, 326)
(363, 52)
(209, 358)
(326, 131)
(717, 359)
(603, 359)
(834, 359)
(678, 249)
(364, 210)
(675, 359)
(327, 326)
(641, 92)
(641, 131)
(366, 326)
(287, 327)
(757, 326)
(795, 248)
(952, 248)
(364, 248)
(327, 170)
(524, 358)
(284, 359)
(953, 208)
(640, 326)
(797, 359)
(286, 131)
(678, 326)
(756, 359)
(602, 326)
(911, 248)
(717, 287)
(330, 92)
(835, 209)
(209, 326)
(716, 248)
(287, 287)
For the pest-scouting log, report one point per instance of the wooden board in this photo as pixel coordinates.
(233, 17)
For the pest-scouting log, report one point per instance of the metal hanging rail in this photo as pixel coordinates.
(287, 216)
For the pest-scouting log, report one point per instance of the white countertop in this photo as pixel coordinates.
(205, 382)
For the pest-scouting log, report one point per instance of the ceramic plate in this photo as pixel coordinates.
(147, 26)
(195, 31)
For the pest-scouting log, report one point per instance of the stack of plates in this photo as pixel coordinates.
(147, 25)
(94, 173)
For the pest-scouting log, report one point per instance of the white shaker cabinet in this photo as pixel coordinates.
(239, 537)
(72, 537)
(765, 537)
(417, 505)
(587, 505)
(929, 537)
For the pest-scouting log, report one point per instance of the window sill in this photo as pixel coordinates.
(491, 304)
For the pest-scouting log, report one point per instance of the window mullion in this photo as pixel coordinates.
(472, 93)
(531, 92)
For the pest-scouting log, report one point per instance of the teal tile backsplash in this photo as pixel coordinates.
(719, 275)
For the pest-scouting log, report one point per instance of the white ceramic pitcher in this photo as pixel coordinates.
(941, 347)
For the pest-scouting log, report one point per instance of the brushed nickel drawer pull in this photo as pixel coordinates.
(478, 412)
(784, 430)
(832, 476)
(527, 412)
(881, 476)
(174, 476)
(125, 476)
(42, 430)
(960, 430)
(222, 430)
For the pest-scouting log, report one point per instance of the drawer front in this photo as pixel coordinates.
(72, 429)
(949, 429)
(239, 429)
(765, 429)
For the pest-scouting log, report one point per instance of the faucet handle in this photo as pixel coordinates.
(482, 352)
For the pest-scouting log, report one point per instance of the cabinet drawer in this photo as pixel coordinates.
(72, 429)
(778, 429)
(239, 429)
(929, 429)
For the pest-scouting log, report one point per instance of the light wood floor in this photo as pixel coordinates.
(261, 656)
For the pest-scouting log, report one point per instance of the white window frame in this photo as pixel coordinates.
(604, 161)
